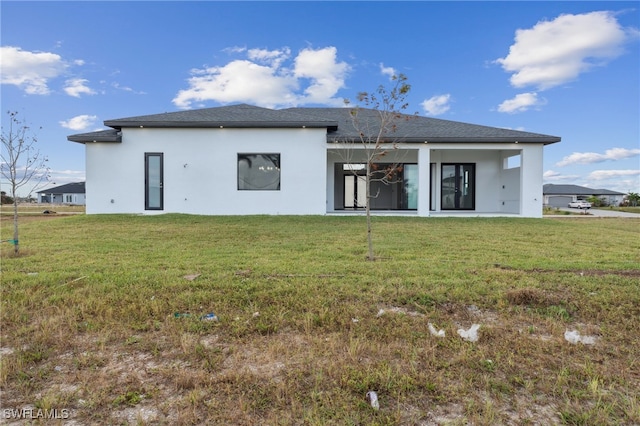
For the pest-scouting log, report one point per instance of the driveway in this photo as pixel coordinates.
(601, 213)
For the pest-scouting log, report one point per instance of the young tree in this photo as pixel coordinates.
(633, 198)
(596, 202)
(376, 139)
(22, 164)
(5, 199)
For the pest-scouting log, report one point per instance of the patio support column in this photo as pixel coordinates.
(424, 171)
(531, 181)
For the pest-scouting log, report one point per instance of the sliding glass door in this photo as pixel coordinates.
(396, 191)
(458, 186)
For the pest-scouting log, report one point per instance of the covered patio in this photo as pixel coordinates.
(458, 180)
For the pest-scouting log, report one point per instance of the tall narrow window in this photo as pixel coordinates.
(259, 172)
(432, 186)
(153, 181)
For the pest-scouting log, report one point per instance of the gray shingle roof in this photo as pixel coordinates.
(111, 135)
(411, 128)
(69, 188)
(337, 121)
(553, 189)
(230, 116)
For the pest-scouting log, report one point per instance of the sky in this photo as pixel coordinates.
(568, 69)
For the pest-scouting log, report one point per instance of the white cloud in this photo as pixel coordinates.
(327, 75)
(616, 180)
(437, 105)
(558, 51)
(551, 175)
(80, 122)
(117, 85)
(612, 174)
(234, 49)
(238, 81)
(521, 102)
(612, 154)
(263, 80)
(273, 58)
(77, 86)
(388, 71)
(30, 71)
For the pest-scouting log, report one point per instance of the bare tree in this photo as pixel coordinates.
(376, 139)
(22, 164)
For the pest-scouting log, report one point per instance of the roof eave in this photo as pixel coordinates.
(88, 139)
(427, 140)
(331, 125)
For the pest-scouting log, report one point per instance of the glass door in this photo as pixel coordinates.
(355, 192)
(153, 181)
(458, 186)
(410, 180)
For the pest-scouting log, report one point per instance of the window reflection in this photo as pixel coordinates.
(259, 172)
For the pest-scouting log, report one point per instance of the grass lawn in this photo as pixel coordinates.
(306, 326)
(621, 209)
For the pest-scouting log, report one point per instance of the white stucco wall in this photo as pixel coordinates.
(531, 171)
(510, 190)
(424, 181)
(200, 171)
(510, 182)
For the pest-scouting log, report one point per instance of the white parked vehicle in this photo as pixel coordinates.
(580, 205)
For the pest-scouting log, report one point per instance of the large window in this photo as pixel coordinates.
(153, 181)
(259, 172)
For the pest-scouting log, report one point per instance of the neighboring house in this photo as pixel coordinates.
(71, 193)
(243, 160)
(562, 195)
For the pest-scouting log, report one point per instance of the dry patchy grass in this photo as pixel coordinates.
(307, 326)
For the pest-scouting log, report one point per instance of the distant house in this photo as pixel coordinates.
(71, 193)
(562, 195)
(245, 160)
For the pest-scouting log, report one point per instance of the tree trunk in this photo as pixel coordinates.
(16, 247)
(370, 255)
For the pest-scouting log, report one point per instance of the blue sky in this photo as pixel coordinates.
(569, 69)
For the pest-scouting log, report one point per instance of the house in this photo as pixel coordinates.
(244, 160)
(562, 195)
(71, 193)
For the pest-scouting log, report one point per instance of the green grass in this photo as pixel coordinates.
(622, 209)
(89, 324)
(28, 209)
